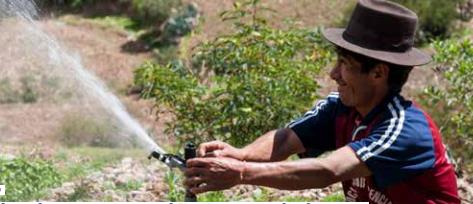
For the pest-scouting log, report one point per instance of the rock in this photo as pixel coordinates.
(112, 196)
(127, 161)
(138, 196)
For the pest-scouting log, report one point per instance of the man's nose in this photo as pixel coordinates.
(335, 72)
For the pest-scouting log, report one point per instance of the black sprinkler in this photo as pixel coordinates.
(173, 161)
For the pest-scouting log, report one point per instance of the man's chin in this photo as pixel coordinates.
(345, 101)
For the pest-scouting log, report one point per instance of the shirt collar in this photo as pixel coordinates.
(379, 108)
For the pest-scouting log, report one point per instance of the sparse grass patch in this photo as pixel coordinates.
(86, 160)
(335, 197)
(80, 194)
(215, 196)
(122, 24)
(295, 199)
(130, 186)
(176, 191)
(261, 194)
(118, 22)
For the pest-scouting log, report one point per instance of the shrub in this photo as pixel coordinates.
(27, 93)
(436, 17)
(453, 105)
(154, 11)
(241, 85)
(77, 130)
(7, 93)
(180, 24)
(26, 180)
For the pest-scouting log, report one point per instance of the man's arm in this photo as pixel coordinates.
(223, 173)
(340, 165)
(276, 145)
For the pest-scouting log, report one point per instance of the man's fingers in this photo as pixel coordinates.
(209, 147)
(203, 188)
(215, 153)
(194, 181)
(198, 162)
(190, 172)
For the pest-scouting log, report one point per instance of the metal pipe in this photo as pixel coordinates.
(189, 153)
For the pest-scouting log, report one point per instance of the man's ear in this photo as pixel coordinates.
(380, 71)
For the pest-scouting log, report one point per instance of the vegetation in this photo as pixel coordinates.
(81, 193)
(233, 88)
(436, 17)
(130, 186)
(176, 192)
(154, 11)
(238, 86)
(336, 197)
(27, 92)
(260, 194)
(27, 180)
(452, 105)
(77, 130)
(77, 162)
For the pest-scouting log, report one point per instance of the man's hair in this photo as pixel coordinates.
(397, 76)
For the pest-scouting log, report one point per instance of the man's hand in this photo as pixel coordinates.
(219, 149)
(212, 174)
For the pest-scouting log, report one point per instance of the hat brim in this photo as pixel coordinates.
(412, 57)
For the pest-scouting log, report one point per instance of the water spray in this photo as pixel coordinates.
(175, 161)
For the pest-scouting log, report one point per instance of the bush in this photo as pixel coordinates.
(436, 17)
(76, 130)
(7, 93)
(453, 105)
(27, 180)
(154, 11)
(180, 24)
(241, 85)
(27, 93)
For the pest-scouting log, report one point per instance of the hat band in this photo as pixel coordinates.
(375, 42)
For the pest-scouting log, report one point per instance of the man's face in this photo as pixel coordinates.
(354, 87)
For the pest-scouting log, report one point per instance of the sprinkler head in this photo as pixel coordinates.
(170, 160)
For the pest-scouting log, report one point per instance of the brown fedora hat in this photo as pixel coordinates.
(381, 30)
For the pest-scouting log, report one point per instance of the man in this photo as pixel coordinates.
(385, 149)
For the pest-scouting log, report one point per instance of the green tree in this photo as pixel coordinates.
(452, 105)
(436, 17)
(239, 86)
